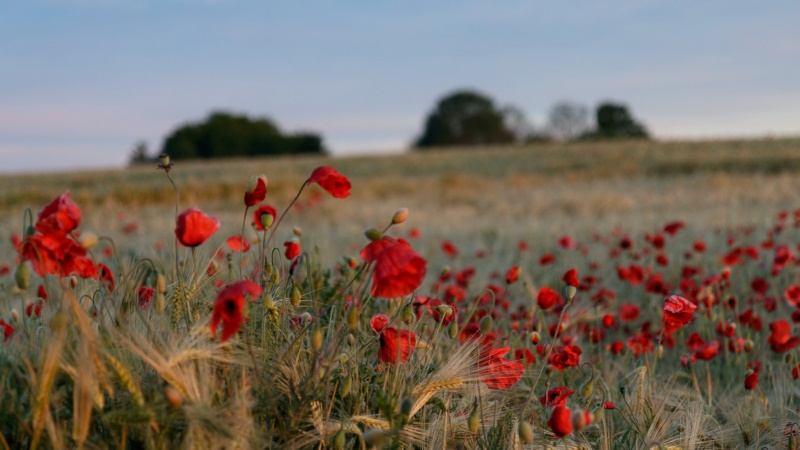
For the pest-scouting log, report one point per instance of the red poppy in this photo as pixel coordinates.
(759, 285)
(414, 233)
(512, 275)
(546, 259)
(608, 405)
(673, 227)
(41, 292)
(792, 295)
(194, 227)
(145, 295)
(8, 330)
(565, 356)
(60, 217)
(566, 242)
(695, 341)
(525, 356)
(608, 321)
(497, 372)
(628, 312)
(34, 308)
(396, 346)
(472, 332)
(229, 308)
(571, 278)
(237, 244)
(560, 421)
(708, 351)
(616, 347)
(106, 276)
(371, 251)
(378, 322)
(260, 211)
(547, 297)
(256, 190)
(781, 339)
(751, 380)
(677, 312)
(399, 270)
(332, 181)
(556, 396)
(449, 249)
(292, 249)
(57, 254)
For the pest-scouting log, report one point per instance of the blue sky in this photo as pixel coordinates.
(82, 80)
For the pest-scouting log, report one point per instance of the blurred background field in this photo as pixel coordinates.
(535, 193)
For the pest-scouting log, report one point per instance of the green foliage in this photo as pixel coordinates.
(614, 121)
(228, 135)
(466, 118)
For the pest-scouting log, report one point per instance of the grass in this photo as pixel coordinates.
(95, 370)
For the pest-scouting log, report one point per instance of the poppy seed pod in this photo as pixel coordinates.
(266, 220)
(400, 216)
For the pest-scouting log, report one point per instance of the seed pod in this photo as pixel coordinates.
(352, 317)
(338, 440)
(525, 432)
(408, 313)
(452, 330)
(316, 339)
(22, 276)
(373, 234)
(474, 421)
(347, 385)
(485, 324)
(570, 292)
(295, 297)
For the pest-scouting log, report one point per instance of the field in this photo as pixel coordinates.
(470, 344)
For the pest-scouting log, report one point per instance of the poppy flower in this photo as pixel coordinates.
(194, 227)
(792, 295)
(399, 270)
(332, 181)
(237, 244)
(525, 356)
(560, 421)
(8, 330)
(546, 259)
(608, 321)
(556, 396)
(34, 309)
(512, 275)
(256, 190)
(781, 339)
(608, 405)
(567, 243)
(565, 356)
(57, 254)
(751, 380)
(708, 351)
(449, 249)
(371, 251)
(59, 217)
(673, 227)
(396, 346)
(497, 372)
(677, 312)
(292, 249)
(260, 211)
(145, 295)
(547, 297)
(571, 278)
(106, 276)
(628, 312)
(229, 308)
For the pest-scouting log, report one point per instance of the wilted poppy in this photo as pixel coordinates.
(332, 181)
(59, 217)
(229, 307)
(194, 227)
(677, 312)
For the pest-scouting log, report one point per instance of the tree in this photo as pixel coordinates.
(224, 135)
(140, 154)
(465, 118)
(568, 121)
(614, 121)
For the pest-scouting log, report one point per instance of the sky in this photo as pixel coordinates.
(81, 81)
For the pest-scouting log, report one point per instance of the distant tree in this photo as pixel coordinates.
(568, 121)
(224, 135)
(614, 121)
(465, 118)
(140, 154)
(516, 122)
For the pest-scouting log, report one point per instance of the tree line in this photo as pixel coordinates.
(461, 118)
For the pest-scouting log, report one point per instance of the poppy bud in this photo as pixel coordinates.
(351, 340)
(338, 440)
(173, 397)
(400, 216)
(316, 339)
(352, 317)
(597, 414)
(452, 330)
(347, 385)
(58, 323)
(405, 406)
(375, 437)
(660, 351)
(580, 420)
(295, 297)
(748, 345)
(22, 276)
(15, 315)
(587, 389)
(485, 324)
(343, 358)
(373, 234)
(88, 240)
(473, 422)
(160, 303)
(534, 336)
(164, 159)
(788, 358)
(408, 313)
(297, 231)
(30, 231)
(570, 292)
(525, 432)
